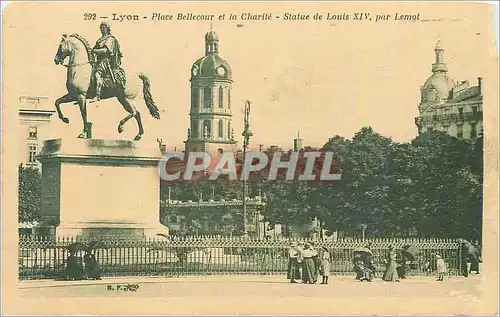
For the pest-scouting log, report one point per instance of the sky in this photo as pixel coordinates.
(322, 78)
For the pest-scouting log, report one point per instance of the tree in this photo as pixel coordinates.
(30, 194)
(435, 185)
(361, 195)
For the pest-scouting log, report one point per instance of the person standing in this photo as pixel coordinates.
(402, 265)
(441, 267)
(92, 267)
(73, 271)
(391, 273)
(293, 272)
(325, 265)
(309, 271)
(368, 260)
(475, 258)
(464, 258)
(317, 261)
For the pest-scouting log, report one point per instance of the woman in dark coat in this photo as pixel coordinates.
(92, 267)
(293, 272)
(309, 271)
(391, 272)
(73, 268)
(401, 260)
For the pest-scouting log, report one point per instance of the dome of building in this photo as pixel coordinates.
(211, 66)
(441, 82)
(439, 85)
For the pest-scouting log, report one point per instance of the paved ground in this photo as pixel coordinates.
(245, 286)
(256, 295)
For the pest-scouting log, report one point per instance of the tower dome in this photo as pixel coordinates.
(439, 84)
(211, 65)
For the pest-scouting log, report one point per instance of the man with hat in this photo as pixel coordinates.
(293, 272)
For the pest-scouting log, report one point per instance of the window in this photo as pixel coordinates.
(460, 132)
(33, 133)
(473, 133)
(229, 130)
(461, 113)
(229, 98)
(32, 152)
(474, 110)
(195, 98)
(207, 97)
(220, 128)
(221, 97)
(207, 128)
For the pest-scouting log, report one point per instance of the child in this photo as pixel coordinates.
(441, 267)
(325, 265)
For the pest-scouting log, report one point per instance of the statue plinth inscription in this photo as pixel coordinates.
(100, 187)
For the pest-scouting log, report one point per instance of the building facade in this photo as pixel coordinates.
(211, 115)
(454, 107)
(34, 117)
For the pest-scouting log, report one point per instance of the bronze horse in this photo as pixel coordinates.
(79, 85)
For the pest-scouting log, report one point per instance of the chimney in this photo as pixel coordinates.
(480, 84)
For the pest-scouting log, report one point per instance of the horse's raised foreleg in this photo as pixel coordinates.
(123, 121)
(82, 103)
(129, 106)
(63, 99)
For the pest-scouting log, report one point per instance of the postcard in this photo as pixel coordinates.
(166, 158)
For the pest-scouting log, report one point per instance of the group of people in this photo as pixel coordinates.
(76, 271)
(471, 257)
(307, 263)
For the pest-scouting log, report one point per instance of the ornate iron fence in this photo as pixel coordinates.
(45, 257)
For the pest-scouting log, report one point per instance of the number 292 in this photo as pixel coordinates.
(89, 16)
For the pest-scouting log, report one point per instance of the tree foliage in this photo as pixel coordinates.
(30, 194)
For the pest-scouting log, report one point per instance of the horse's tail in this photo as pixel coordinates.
(148, 98)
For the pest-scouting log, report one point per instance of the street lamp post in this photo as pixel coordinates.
(246, 140)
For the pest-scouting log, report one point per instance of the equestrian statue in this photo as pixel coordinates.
(96, 73)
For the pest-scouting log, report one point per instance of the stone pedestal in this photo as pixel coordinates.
(93, 187)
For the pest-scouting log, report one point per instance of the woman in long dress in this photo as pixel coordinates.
(73, 271)
(391, 272)
(92, 267)
(308, 265)
(441, 267)
(293, 272)
(325, 265)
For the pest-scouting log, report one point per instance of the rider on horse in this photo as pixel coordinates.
(108, 72)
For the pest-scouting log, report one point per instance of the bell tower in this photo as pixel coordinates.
(211, 115)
